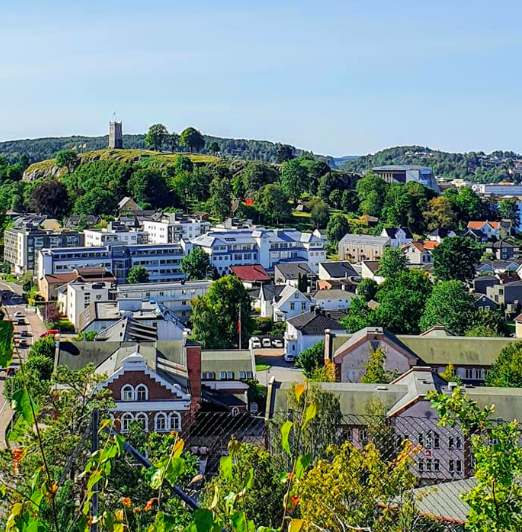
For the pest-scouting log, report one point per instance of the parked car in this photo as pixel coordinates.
(266, 342)
(19, 314)
(50, 332)
(289, 357)
(25, 333)
(277, 343)
(255, 343)
(23, 343)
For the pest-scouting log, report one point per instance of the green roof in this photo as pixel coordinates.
(227, 360)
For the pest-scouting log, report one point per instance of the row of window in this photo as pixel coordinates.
(225, 375)
(129, 393)
(162, 422)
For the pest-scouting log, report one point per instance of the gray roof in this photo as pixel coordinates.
(400, 167)
(392, 231)
(339, 269)
(314, 323)
(332, 294)
(271, 291)
(365, 240)
(291, 270)
(128, 330)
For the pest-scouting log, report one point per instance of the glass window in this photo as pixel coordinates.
(142, 392)
(143, 420)
(175, 421)
(127, 393)
(160, 422)
(126, 420)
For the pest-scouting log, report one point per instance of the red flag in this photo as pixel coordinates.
(249, 201)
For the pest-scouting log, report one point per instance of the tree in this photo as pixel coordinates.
(149, 188)
(51, 315)
(487, 323)
(392, 262)
(349, 201)
(272, 203)
(456, 258)
(49, 197)
(311, 359)
(508, 209)
(359, 316)
(213, 147)
(182, 164)
(450, 306)
(284, 153)
(371, 191)
(468, 203)
(336, 228)
(440, 214)
(375, 371)
(44, 347)
(68, 159)
(320, 214)
(137, 275)
(220, 198)
(367, 289)
(172, 141)
(157, 136)
(27, 281)
(506, 372)
(196, 264)
(449, 374)
(96, 201)
(293, 179)
(191, 138)
(256, 175)
(302, 283)
(216, 316)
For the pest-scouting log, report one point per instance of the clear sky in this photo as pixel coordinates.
(335, 77)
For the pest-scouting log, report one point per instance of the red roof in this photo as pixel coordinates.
(418, 245)
(252, 273)
(430, 245)
(480, 225)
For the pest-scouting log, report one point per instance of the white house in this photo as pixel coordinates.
(336, 270)
(291, 302)
(369, 270)
(489, 229)
(101, 237)
(307, 329)
(399, 236)
(439, 234)
(332, 299)
(173, 227)
(417, 254)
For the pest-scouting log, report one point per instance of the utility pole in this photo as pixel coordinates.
(95, 447)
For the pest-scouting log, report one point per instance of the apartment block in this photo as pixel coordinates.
(174, 227)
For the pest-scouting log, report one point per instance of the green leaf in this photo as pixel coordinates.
(157, 478)
(175, 470)
(204, 520)
(250, 478)
(239, 522)
(285, 433)
(21, 404)
(120, 442)
(302, 464)
(295, 525)
(164, 522)
(310, 413)
(225, 466)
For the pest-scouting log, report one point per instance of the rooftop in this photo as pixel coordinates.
(314, 323)
(253, 273)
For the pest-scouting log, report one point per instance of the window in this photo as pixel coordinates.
(421, 465)
(242, 375)
(235, 411)
(436, 465)
(469, 373)
(142, 392)
(160, 422)
(303, 305)
(428, 464)
(175, 421)
(143, 420)
(292, 306)
(126, 420)
(127, 393)
(452, 466)
(459, 466)
(208, 375)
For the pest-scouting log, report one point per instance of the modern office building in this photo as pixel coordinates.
(405, 173)
(173, 227)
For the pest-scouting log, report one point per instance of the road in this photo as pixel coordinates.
(24, 335)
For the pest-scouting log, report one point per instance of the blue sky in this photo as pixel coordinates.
(335, 77)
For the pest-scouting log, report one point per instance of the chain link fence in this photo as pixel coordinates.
(442, 463)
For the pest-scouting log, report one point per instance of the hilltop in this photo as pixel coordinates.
(475, 166)
(46, 148)
(48, 168)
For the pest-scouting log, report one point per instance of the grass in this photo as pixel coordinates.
(6, 342)
(262, 367)
(10, 278)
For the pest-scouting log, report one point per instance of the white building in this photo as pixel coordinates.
(267, 247)
(162, 262)
(291, 302)
(399, 236)
(76, 296)
(102, 237)
(173, 227)
(498, 189)
(332, 299)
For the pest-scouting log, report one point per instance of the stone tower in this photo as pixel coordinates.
(115, 135)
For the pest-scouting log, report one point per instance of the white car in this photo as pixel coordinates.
(277, 343)
(255, 343)
(289, 357)
(266, 342)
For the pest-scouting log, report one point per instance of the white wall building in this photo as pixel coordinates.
(102, 237)
(174, 227)
(267, 247)
(332, 299)
(291, 302)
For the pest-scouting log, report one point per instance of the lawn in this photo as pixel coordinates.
(262, 367)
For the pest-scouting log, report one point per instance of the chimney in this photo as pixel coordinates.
(193, 362)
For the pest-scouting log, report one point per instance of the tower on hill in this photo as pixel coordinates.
(115, 135)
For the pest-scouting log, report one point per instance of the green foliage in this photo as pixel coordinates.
(375, 368)
(311, 359)
(44, 347)
(96, 201)
(149, 188)
(272, 203)
(371, 191)
(196, 264)
(182, 163)
(487, 323)
(456, 258)
(221, 198)
(262, 501)
(496, 500)
(367, 289)
(320, 214)
(6, 343)
(507, 370)
(392, 262)
(138, 274)
(466, 203)
(215, 316)
(508, 209)
(336, 228)
(440, 214)
(293, 179)
(191, 138)
(449, 375)
(284, 153)
(450, 306)
(256, 175)
(157, 137)
(49, 197)
(88, 336)
(213, 147)
(67, 158)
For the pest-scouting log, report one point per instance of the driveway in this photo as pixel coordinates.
(281, 370)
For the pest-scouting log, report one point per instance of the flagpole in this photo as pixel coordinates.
(239, 326)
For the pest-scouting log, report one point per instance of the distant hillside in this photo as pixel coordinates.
(46, 148)
(475, 166)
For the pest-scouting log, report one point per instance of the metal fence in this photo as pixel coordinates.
(442, 463)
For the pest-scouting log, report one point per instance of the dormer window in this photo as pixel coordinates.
(127, 393)
(142, 392)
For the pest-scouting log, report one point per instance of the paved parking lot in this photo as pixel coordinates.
(281, 370)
